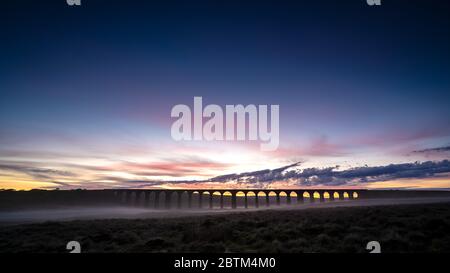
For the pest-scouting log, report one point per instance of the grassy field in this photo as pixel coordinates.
(399, 228)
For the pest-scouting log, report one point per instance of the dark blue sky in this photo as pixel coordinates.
(349, 78)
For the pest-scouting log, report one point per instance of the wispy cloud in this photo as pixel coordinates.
(396, 136)
(37, 173)
(133, 175)
(332, 176)
(174, 168)
(433, 150)
(318, 146)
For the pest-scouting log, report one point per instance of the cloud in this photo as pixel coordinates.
(173, 168)
(265, 175)
(292, 175)
(36, 173)
(332, 176)
(400, 136)
(432, 150)
(317, 146)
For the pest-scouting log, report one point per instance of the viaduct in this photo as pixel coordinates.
(197, 198)
(261, 197)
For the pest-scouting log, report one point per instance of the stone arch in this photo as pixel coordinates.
(182, 199)
(195, 200)
(240, 199)
(226, 198)
(326, 196)
(116, 194)
(316, 195)
(263, 198)
(336, 195)
(293, 197)
(307, 196)
(206, 198)
(150, 203)
(262, 193)
(160, 200)
(251, 199)
(146, 198)
(140, 201)
(345, 195)
(283, 198)
(170, 199)
(216, 199)
(124, 197)
(272, 198)
(133, 198)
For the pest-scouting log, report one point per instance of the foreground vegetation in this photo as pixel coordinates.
(401, 228)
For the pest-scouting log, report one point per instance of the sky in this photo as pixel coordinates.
(86, 93)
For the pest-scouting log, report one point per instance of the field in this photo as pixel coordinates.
(398, 228)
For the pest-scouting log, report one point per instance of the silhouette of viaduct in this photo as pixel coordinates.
(142, 197)
(196, 198)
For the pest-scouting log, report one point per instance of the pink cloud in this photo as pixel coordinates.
(175, 168)
(319, 146)
(399, 136)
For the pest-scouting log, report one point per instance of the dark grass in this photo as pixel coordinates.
(400, 228)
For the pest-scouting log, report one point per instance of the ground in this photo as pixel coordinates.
(398, 228)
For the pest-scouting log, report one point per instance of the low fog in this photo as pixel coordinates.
(121, 212)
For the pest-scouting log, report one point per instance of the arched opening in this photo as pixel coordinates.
(226, 200)
(122, 196)
(355, 195)
(195, 200)
(283, 198)
(216, 199)
(316, 195)
(172, 201)
(151, 199)
(183, 197)
(125, 198)
(306, 196)
(251, 199)
(293, 196)
(206, 199)
(272, 198)
(161, 200)
(326, 196)
(345, 195)
(132, 198)
(139, 198)
(336, 195)
(118, 196)
(261, 199)
(146, 198)
(240, 199)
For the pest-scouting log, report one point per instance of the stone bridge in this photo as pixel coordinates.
(214, 198)
(199, 198)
